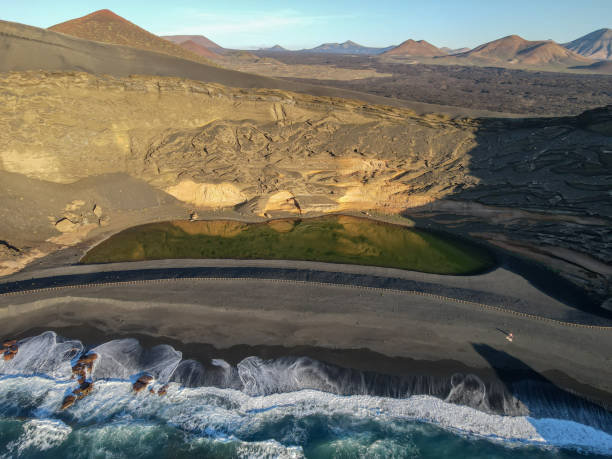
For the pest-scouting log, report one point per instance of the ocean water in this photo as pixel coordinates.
(290, 407)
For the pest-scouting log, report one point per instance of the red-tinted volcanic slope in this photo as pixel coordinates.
(197, 39)
(516, 50)
(200, 50)
(107, 27)
(419, 48)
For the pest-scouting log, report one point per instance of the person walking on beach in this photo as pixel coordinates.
(510, 336)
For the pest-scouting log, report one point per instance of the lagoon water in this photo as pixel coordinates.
(332, 238)
(287, 407)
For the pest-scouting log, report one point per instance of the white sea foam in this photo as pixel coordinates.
(227, 413)
(35, 382)
(39, 435)
(45, 354)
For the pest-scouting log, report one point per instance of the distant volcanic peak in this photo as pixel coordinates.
(105, 14)
(596, 45)
(548, 52)
(420, 48)
(101, 25)
(198, 39)
(107, 27)
(98, 16)
(516, 50)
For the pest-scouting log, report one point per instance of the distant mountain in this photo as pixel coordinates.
(596, 45)
(348, 47)
(516, 50)
(197, 39)
(419, 48)
(454, 51)
(275, 48)
(195, 48)
(107, 27)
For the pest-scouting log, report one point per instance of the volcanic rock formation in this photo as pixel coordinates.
(178, 144)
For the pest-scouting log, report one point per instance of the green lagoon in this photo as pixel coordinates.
(333, 239)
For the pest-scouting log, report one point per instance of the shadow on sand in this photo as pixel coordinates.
(540, 397)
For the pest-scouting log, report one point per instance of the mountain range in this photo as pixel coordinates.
(107, 27)
(348, 47)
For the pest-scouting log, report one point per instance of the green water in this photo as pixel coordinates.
(334, 239)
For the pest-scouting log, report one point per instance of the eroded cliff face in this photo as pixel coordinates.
(211, 146)
(270, 153)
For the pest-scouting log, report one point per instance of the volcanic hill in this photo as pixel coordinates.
(419, 48)
(516, 50)
(275, 48)
(107, 27)
(198, 39)
(596, 45)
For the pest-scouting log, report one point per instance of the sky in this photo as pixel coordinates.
(242, 24)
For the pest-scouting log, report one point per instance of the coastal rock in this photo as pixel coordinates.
(68, 401)
(163, 390)
(142, 382)
(85, 388)
(84, 365)
(9, 349)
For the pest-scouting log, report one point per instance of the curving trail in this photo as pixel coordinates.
(515, 301)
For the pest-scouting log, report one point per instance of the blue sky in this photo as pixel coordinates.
(304, 24)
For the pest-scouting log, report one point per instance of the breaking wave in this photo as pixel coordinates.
(287, 407)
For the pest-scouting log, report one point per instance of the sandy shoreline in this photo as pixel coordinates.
(374, 330)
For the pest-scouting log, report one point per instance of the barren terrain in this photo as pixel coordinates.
(486, 88)
(176, 145)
